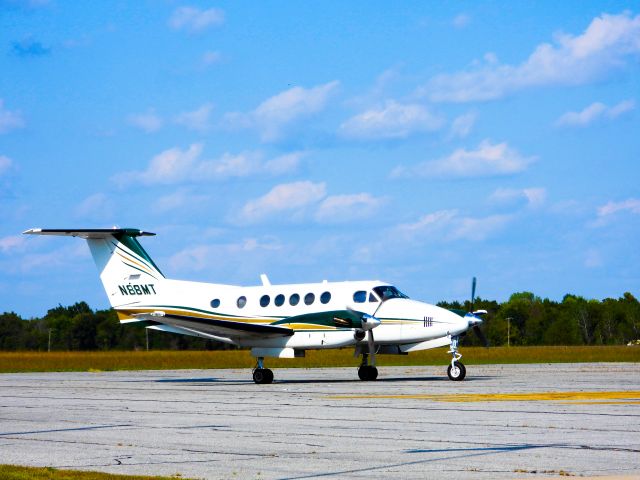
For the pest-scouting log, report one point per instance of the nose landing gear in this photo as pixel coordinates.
(456, 370)
(367, 372)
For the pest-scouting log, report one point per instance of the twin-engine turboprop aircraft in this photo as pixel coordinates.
(280, 321)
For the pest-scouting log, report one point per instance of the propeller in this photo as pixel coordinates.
(476, 320)
(368, 323)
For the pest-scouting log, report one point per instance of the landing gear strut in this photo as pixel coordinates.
(367, 372)
(262, 375)
(456, 370)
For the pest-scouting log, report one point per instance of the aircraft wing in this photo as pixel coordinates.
(233, 329)
(209, 326)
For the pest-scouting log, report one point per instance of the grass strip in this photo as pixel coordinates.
(14, 472)
(176, 360)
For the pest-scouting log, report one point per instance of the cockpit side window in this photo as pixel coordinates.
(372, 297)
(360, 296)
(385, 292)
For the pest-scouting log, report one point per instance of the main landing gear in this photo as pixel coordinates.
(456, 370)
(367, 372)
(262, 375)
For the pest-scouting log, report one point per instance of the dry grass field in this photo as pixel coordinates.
(165, 360)
(14, 472)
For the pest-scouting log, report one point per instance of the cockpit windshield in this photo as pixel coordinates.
(385, 292)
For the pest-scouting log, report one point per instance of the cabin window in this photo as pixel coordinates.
(325, 297)
(294, 299)
(360, 296)
(242, 301)
(372, 297)
(309, 298)
(279, 300)
(215, 303)
(264, 300)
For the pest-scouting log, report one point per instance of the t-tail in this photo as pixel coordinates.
(127, 272)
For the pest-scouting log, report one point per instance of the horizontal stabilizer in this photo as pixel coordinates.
(88, 232)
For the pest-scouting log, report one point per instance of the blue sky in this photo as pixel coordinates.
(421, 143)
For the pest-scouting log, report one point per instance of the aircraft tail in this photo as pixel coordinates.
(127, 272)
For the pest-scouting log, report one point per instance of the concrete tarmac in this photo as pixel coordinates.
(503, 421)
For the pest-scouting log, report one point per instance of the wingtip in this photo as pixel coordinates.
(32, 231)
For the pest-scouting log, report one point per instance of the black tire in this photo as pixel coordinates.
(367, 373)
(262, 376)
(457, 374)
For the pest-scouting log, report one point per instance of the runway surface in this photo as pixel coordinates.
(503, 421)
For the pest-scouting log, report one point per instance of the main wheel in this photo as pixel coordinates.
(456, 372)
(367, 372)
(262, 376)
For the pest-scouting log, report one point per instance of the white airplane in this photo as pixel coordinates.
(281, 321)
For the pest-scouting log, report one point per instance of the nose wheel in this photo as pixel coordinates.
(367, 372)
(456, 370)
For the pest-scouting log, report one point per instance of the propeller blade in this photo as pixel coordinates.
(480, 335)
(473, 292)
(372, 348)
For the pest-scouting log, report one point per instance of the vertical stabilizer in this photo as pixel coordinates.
(128, 273)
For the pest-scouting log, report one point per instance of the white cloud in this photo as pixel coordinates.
(284, 163)
(594, 112)
(286, 197)
(274, 115)
(462, 125)
(229, 165)
(178, 199)
(341, 208)
(478, 229)
(5, 164)
(169, 166)
(11, 244)
(461, 20)
(174, 166)
(621, 108)
(449, 225)
(97, 206)
(394, 120)
(149, 122)
(9, 120)
(605, 45)
(605, 213)
(196, 120)
(210, 58)
(430, 223)
(535, 197)
(201, 257)
(488, 159)
(631, 205)
(376, 93)
(195, 20)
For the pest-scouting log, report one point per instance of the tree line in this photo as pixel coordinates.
(524, 319)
